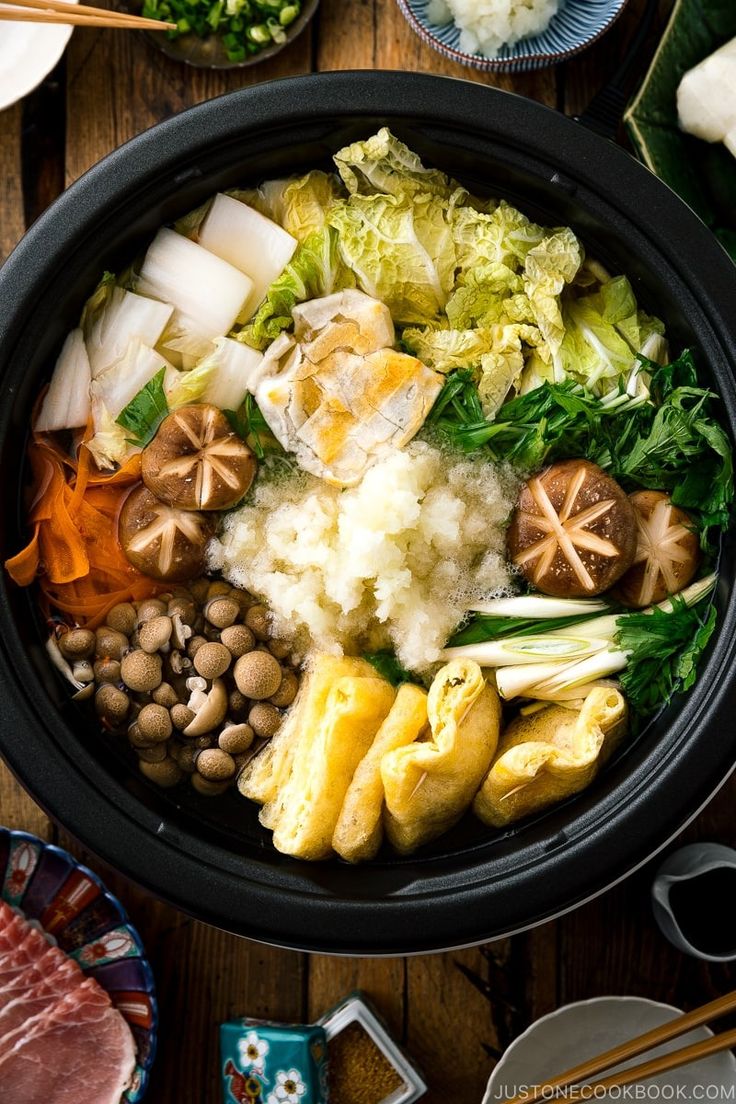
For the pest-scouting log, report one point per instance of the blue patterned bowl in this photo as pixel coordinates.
(48, 886)
(577, 25)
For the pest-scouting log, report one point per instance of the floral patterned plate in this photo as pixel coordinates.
(48, 886)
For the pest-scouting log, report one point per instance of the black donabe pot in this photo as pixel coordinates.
(473, 885)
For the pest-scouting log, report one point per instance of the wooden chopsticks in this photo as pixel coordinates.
(633, 1048)
(78, 15)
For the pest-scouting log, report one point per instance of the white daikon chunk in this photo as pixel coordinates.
(248, 240)
(206, 291)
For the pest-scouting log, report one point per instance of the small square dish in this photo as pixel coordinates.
(703, 175)
(359, 1045)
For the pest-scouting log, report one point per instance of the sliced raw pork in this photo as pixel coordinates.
(26, 1001)
(80, 1051)
(28, 950)
(61, 1039)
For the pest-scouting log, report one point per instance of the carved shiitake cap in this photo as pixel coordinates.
(573, 533)
(667, 551)
(161, 541)
(196, 461)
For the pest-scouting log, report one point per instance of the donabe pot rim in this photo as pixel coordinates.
(429, 902)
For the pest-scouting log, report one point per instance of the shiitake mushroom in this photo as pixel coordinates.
(667, 551)
(197, 462)
(573, 533)
(161, 541)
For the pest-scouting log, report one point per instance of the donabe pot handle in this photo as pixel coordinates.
(604, 112)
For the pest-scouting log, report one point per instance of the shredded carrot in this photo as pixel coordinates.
(74, 552)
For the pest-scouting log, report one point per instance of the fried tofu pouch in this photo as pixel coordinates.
(359, 831)
(550, 755)
(262, 778)
(429, 784)
(324, 762)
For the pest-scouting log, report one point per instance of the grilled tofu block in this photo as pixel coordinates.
(337, 394)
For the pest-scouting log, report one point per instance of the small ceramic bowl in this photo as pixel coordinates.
(576, 25)
(28, 53)
(70, 903)
(209, 53)
(690, 898)
(575, 1032)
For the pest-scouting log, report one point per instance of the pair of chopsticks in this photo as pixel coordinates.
(626, 1051)
(77, 15)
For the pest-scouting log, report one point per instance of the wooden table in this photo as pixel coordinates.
(455, 1012)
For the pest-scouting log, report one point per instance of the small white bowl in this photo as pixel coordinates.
(28, 53)
(567, 1037)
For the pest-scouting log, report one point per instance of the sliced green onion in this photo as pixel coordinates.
(528, 649)
(691, 595)
(520, 680)
(565, 663)
(600, 628)
(259, 34)
(538, 605)
(587, 670)
(572, 693)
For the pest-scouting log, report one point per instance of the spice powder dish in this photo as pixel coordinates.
(366, 1066)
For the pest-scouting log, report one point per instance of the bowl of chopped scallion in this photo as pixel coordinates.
(227, 34)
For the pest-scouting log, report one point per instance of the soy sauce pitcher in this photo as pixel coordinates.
(690, 895)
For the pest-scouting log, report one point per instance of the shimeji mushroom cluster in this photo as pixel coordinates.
(192, 676)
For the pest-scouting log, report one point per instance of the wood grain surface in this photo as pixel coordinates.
(455, 1012)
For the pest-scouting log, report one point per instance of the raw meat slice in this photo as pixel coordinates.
(25, 1002)
(12, 929)
(28, 948)
(32, 947)
(80, 1051)
(45, 963)
(7, 915)
(36, 970)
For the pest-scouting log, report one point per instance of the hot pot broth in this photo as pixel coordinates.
(575, 747)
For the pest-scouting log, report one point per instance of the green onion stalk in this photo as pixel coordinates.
(564, 663)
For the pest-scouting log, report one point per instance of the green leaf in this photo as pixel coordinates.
(603, 333)
(549, 267)
(145, 412)
(672, 444)
(248, 422)
(316, 269)
(383, 164)
(388, 666)
(665, 649)
(401, 251)
(300, 203)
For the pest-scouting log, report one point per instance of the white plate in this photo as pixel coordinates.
(578, 1031)
(28, 53)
